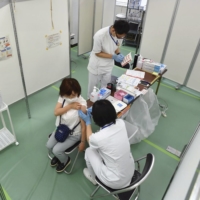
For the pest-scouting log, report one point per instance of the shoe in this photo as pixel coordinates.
(61, 167)
(54, 162)
(88, 176)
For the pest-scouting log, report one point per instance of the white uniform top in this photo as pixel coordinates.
(113, 146)
(103, 42)
(71, 117)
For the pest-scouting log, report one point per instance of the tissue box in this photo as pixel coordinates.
(119, 94)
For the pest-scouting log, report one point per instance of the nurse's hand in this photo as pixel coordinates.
(85, 117)
(89, 110)
(118, 58)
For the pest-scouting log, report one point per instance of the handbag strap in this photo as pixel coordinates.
(61, 115)
(62, 107)
(76, 126)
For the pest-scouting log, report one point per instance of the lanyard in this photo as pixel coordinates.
(107, 125)
(116, 42)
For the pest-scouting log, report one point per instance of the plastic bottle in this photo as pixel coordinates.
(94, 94)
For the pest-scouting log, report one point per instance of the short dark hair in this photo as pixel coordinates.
(68, 86)
(121, 26)
(103, 112)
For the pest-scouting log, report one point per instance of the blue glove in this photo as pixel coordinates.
(84, 117)
(118, 58)
(89, 110)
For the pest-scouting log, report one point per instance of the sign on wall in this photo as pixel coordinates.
(5, 48)
(53, 40)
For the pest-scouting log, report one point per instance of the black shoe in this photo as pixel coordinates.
(61, 167)
(54, 162)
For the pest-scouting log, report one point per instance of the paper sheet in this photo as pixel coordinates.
(135, 73)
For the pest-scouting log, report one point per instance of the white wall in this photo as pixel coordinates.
(11, 86)
(158, 18)
(74, 20)
(183, 39)
(42, 67)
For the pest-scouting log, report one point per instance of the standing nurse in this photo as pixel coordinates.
(105, 50)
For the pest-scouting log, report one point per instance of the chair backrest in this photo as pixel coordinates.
(145, 173)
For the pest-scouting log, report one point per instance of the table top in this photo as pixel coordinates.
(149, 77)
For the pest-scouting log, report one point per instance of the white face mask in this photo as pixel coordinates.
(71, 100)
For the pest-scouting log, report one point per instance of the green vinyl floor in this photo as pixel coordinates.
(25, 171)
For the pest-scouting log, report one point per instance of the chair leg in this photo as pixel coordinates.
(49, 155)
(69, 172)
(138, 193)
(96, 189)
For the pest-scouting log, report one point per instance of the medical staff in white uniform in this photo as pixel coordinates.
(109, 156)
(105, 50)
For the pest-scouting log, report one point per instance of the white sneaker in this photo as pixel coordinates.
(88, 176)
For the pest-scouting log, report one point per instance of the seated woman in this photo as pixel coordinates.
(70, 91)
(109, 156)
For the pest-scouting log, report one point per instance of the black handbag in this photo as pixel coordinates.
(63, 131)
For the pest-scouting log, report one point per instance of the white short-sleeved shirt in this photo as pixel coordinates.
(71, 118)
(103, 42)
(113, 146)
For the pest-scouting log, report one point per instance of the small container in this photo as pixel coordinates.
(128, 98)
(119, 94)
(94, 94)
(110, 86)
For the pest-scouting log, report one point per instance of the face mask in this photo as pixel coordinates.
(71, 100)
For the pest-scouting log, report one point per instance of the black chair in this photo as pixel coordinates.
(137, 179)
(69, 151)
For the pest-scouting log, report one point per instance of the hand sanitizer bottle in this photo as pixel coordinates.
(94, 94)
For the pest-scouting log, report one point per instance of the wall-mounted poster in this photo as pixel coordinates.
(5, 48)
(53, 40)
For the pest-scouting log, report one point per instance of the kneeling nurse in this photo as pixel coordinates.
(108, 156)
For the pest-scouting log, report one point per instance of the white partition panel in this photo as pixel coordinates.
(184, 39)
(108, 13)
(194, 80)
(33, 20)
(11, 86)
(98, 15)
(86, 24)
(158, 18)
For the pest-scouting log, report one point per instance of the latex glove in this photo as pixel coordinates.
(84, 117)
(118, 58)
(89, 110)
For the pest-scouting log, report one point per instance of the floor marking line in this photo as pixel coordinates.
(127, 49)
(55, 87)
(183, 92)
(161, 149)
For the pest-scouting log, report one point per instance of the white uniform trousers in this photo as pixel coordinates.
(96, 80)
(95, 164)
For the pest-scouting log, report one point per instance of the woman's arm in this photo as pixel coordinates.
(88, 132)
(83, 136)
